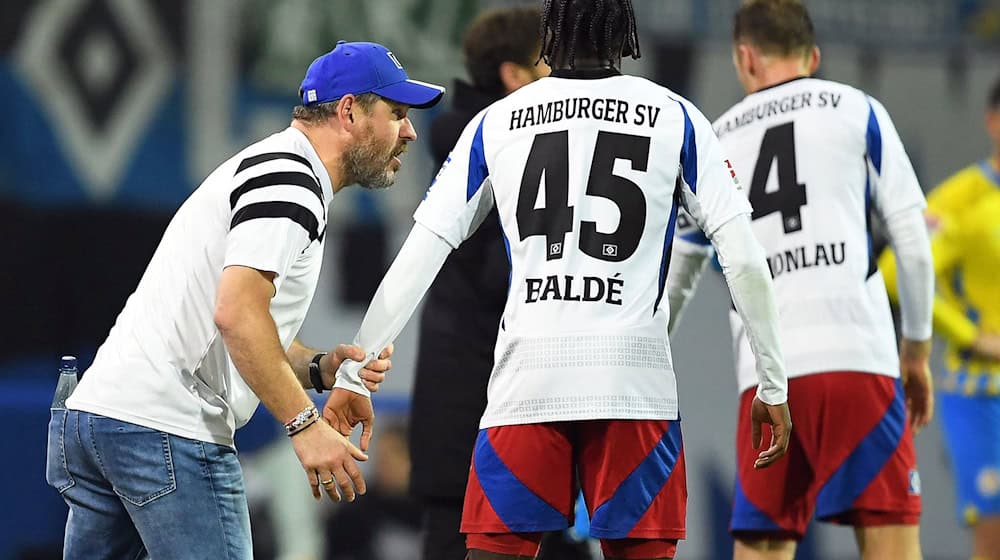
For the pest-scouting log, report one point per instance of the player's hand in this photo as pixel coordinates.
(987, 345)
(327, 456)
(372, 375)
(914, 358)
(781, 431)
(345, 409)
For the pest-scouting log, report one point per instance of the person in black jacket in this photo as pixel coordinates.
(462, 310)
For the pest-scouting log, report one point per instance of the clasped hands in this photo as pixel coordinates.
(345, 409)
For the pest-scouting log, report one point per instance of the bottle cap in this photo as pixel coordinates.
(68, 362)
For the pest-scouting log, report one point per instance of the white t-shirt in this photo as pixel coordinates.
(586, 175)
(164, 364)
(815, 158)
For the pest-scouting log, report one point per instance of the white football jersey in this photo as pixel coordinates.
(586, 175)
(816, 158)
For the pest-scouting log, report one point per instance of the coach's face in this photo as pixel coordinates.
(380, 139)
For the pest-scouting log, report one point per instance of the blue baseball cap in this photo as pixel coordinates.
(358, 68)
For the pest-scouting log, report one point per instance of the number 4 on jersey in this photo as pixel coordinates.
(778, 144)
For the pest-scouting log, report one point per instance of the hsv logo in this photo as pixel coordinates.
(914, 482)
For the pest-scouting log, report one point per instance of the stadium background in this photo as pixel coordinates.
(113, 110)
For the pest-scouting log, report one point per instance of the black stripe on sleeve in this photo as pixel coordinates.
(295, 178)
(295, 212)
(270, 156)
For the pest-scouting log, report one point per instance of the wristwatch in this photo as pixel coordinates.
(315, 375)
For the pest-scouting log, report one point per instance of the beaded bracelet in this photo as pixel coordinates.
(302, 420)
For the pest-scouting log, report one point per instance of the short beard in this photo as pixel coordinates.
(366, 164)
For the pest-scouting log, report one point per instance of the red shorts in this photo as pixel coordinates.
(850, 460)
(631, 473)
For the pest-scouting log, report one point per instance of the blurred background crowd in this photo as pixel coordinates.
(114, 110)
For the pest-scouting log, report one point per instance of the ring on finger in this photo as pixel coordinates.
(327, 482)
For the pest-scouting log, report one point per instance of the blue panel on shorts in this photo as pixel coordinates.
(746, 516)
(520, 509)
(616, 517)
(865, 462)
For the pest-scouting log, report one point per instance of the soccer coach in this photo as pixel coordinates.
(144, 453)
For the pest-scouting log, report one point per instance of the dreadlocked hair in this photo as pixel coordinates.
(601, 29)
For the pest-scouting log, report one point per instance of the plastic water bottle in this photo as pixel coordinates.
(67, 382)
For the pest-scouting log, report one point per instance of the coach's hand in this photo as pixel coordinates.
(329, 461)
(781, 430)
(344, 409)
(373, 374)
(914, 365)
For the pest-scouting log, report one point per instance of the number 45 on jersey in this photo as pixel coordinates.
(550, 155)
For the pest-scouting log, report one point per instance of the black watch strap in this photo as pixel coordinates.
(315, 374)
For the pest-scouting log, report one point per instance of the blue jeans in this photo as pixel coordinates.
(134, 491)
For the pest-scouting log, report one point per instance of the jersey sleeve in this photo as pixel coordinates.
(461, 195)
(273, 217)
(408, 279)
(893, 183)
(711, 193)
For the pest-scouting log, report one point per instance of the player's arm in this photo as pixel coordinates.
(914, 285)
(948, 319)
(404, 285)
(714, 199)
(897, 197)
(409, 277)
(945, 205)
(691, 253)
(749, 278)
(454, 208)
